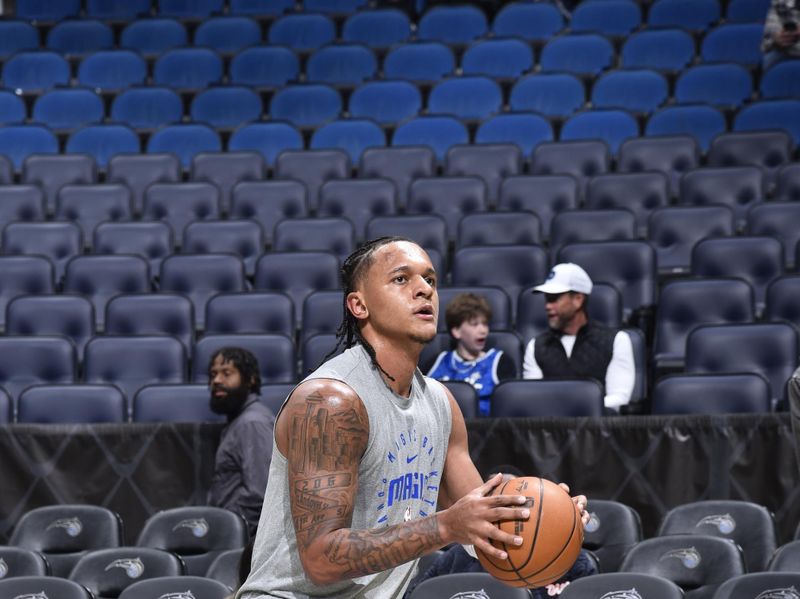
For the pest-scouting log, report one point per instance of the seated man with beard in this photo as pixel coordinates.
(245, 449)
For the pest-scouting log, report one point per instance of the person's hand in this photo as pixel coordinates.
(784, 38)
(580, 502)
(470, 521)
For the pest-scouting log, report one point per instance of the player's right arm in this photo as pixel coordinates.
(323, 431)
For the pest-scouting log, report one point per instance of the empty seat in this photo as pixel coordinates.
(342, 64)
(595, 587)
(785, 558)
(196, 586)
(549, 398)
(36, 71)
(185, 140)
(659, 49)
(419, 62)
(385, 102)
(315, 350)
(787, 187)
(545, 196)
(152, 314)
(268, 139)
(332, 235)
(711, 394)
(781, 304)
(36, 360)
(22, 562)
(770, 114)
(243, 238)
(53, 172)
(449, 197)
(264, 66)
(69, 316)
(21, 203)
(152, 37)
(150, 240)
(228, 34)
(581, 159)
(452, 24)
(492, 163)
(614, 18)
(526, 131)
(225, 568)
(197, 534)
(769, 150)
(401, 165)
(429, 231)
(734, 42)
(780, 81)
(17, 36)
(747, 10)
(179, 204)
(313, 168)
(17, 142)
(173, 403)
(103, 142)
(673, 156)
(275, 355)
(641, 193)
(227, 169)
(440, 133)
(354, 136)
(357, 200)
(261, 7)
(58, 242)
(268, 202)
(585, 54)
(189, 10)
(89, 205)
(673, 232)
(100, 278)
(138, 172)
(683, 305)
(575, 226)
(112, 70)
(23, 275)
(635, 90)
(113, 10)
(250, 312)
(613, 528)
(188, 68)
(131, 362)
(465, 584)
(226, 107)
(534, 22)
(30, 586)
(64, 404)
(302, 32)
(6, 413)
(499, 228)
(757, 583)
(467, 98)
(701, 122)
(684, 13)
(68, 108)
(379, 28)
(147, 107)
(12, 107)
(64, 533)
(322, 313)
(723, 85)
(776, 219)
(79, 36)
(498, 58)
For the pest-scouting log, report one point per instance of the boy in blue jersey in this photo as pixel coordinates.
(467, 317)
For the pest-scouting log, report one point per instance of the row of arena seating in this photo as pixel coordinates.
(698, 546)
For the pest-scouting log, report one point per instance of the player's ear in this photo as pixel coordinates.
(356, 305)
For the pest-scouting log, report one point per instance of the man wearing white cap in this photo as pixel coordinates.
(575, 347)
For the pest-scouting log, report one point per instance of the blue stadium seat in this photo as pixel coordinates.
(386, 102)
(614, 18)
(196, 9)
(687, 14)
(264, 66)
(226, 170)
(306, 105)
(545, 196)
(611, 126)
(103, 142)
(635, 90)
(747, 11)
(499, 228)
(673, 156)
(313, 168)
(243, 238)
(297, 274)
(152, 37)
(99, 278)
(226, 107)
(66, 404)
(711, 394)
(147, 107)
(498, 58)
(19, 586)
(437, 132)
(429, 231)
(268, 202)
(322, 313)
(17, 142)
(314, 351)
(449, 197)
(524, 130)
(332, 235)
(12, 108)
(380, 28)
(16, 36)
(138, 171)
(533, 22)
(781, 81)
(452, 24)
(576, 226)
(70, 316)
(150, 240)
(491, 163)
(551, 94)
(152, 314)
(89, 205)
(131, 362)
(585, 54)
(658, 49)
(770, 114)
(399, 164)
(173, 403)
(23, 275)
(781, 300)
(467, 98)
(35, 360)
(261, 7)
(36, 71)
(700, 121)
(779, 220)
(179, 204)
(79, 37)
(419, 62)
(57, 242)
(734, 42)
(685, 304)
(269, 139)
(116, 10)
(342, 65)
(641, 193)
(354, 136)
(228, 34)
(768, 150)
(787, 187)
(21, 203)
(673, 232)
(275, 355)
(51, 172)
(47, 10)
(112, 70)
(724, 85)
(201, 276)
(334, 7)
(188, 68)
(542, 399)
(630, 266)
(581, 159)
(738, 187)
(302, 32)
(357, 200)
(250, 312)
(185, 140)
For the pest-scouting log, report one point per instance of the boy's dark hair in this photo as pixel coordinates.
(464, 307)
(353, 269)
(245, 363)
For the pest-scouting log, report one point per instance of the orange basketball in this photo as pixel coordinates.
(551, 537)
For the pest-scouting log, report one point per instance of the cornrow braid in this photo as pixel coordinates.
(353, 269)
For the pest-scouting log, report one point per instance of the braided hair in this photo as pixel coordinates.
(353, 270)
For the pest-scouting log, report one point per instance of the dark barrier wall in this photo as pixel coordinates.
(650, 463)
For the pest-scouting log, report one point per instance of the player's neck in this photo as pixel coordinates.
(399, 360)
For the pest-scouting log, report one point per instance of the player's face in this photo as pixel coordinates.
(561, 308)
(471, 335)
(228, 391)
(399, 293)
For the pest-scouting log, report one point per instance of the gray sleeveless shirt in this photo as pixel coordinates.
(399, 478)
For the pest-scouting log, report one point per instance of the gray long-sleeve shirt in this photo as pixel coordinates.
(242, 462)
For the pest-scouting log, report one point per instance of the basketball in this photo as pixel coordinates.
(551, 537)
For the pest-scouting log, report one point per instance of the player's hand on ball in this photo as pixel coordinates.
(470, 521)
(580, 502)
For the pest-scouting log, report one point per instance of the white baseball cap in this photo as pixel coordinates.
(566, 277)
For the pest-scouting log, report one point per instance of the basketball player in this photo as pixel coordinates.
(366, 447)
